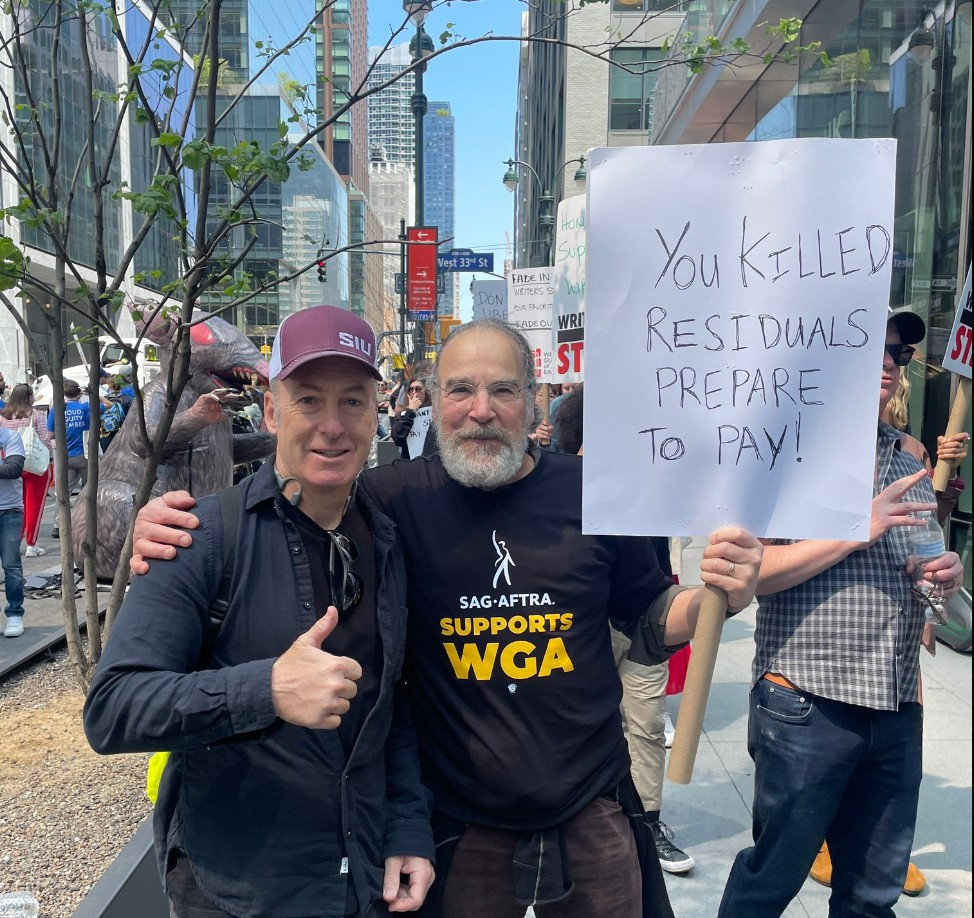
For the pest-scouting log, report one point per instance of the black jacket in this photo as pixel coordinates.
(266, 811)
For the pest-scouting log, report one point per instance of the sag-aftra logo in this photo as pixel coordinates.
(516, 657)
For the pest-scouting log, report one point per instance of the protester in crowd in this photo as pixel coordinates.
(510, 669)
(383, 405)
(3, 387)
(19, 414)
(77, 420)
(121, 391)
(11, 524)
(293, 787)
(835, 725)
(643, 686)
(953, 451)
(553, 409)
(423, 369)
(418, 397)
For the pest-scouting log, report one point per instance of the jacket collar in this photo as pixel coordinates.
(262, 486)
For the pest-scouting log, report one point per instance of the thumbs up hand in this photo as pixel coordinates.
(311, 687)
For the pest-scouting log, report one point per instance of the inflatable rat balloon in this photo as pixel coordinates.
(201, 449)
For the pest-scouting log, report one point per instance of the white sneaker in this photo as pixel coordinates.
(35, 551)
(15, 626)
(669, 731)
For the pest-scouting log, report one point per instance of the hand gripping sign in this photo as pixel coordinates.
(958, 360)
(742, 291)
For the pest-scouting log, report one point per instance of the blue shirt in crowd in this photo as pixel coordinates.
(77, 419)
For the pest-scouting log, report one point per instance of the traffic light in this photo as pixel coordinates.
(446, 326)
(322, 272)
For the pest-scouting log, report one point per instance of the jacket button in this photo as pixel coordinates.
(296, 550)
(307, 605)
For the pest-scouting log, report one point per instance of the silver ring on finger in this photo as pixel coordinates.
(730, 570)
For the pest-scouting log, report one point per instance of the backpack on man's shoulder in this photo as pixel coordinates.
(231, 507)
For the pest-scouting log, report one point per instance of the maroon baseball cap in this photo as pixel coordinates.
(321, 331)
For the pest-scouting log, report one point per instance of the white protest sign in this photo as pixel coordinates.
(489, 299)
(568, 279)
(742, 289)
(959, 344)
(416, 437)
(529, 294)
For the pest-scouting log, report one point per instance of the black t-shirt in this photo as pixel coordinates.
(513, 683)
(357, 633)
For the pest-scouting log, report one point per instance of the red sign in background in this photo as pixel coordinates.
(421, 269)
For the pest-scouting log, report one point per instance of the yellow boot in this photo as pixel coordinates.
(916, 882)
(821, 872)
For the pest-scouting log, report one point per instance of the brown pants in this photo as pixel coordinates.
(602, 863)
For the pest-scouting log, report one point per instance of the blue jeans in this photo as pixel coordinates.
(11, 525)
(827, 770)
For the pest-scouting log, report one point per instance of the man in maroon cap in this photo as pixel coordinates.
(293, 785)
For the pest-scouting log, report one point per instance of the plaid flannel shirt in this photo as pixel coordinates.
(852, 632)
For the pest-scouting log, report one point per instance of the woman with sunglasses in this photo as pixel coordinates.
(417, 397)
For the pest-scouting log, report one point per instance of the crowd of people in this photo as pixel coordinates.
(470, 759)
(502, 745)
(27, 469)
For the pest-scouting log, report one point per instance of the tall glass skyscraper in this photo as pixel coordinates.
(440, 186)
(391, 124)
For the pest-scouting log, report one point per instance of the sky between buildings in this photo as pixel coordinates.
(480, 84)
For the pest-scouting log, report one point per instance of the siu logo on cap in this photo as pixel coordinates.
(347, 339)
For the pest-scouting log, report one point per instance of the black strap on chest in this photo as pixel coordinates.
(231, 508)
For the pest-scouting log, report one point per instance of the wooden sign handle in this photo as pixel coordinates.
(955, 424)
(700, 673)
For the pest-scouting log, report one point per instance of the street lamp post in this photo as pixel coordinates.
(546, 216)
(420, 47)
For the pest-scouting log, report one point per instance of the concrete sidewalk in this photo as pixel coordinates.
(711, 816)
(44, 617)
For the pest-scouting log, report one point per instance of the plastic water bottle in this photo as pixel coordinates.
(926, 545)
(927, 541)
(18, 904)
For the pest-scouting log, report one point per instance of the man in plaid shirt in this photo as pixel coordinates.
(835, 723)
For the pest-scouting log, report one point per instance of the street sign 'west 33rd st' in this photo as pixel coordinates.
(465, 260)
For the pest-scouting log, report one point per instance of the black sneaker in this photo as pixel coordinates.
(671, 858)
(55, 532)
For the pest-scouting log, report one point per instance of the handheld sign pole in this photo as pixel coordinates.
(958, 360)
(700, 673)
(959, 413)
(545, 406)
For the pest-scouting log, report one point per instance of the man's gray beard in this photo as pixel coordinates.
(488, 468)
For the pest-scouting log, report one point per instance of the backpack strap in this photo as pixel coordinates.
(231, 508)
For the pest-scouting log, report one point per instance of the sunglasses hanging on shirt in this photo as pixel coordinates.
(345, 585)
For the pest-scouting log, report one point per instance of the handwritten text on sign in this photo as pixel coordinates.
(529, 295)
(489, 299)
(745, 299)
(416, 438)
(568, 280)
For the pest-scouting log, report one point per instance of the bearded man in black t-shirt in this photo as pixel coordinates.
(510, 667)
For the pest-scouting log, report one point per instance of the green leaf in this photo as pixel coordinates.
(168, 139)
(12, 263)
